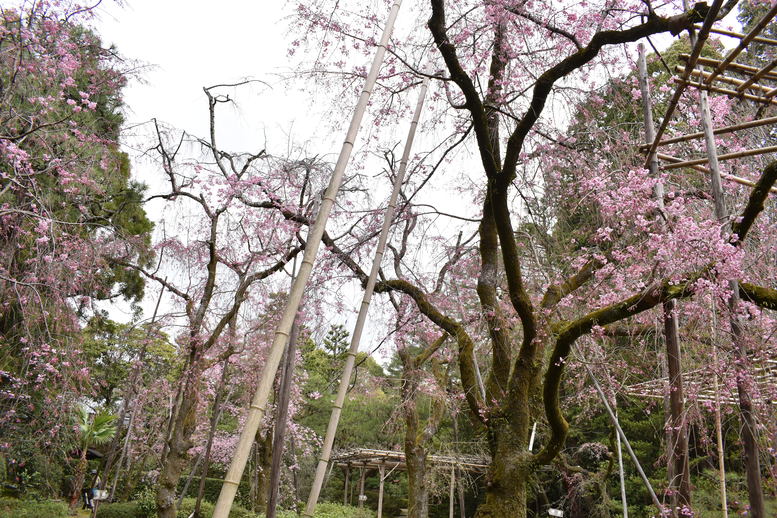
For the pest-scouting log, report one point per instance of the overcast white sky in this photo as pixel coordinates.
(196, 43)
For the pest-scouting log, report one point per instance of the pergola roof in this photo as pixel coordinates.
(699, 384)
(369, 458)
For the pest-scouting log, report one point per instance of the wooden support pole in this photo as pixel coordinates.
(382, 477)
(282, 413)
(712, 15)
(362, 475)
(451, 492)
(361, 319)
(679, 467)
(345, 483)
(749, 438)
(259, 401)
(733, 53)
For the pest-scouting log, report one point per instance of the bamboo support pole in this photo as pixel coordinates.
(257, 408)
(361, 319)
(739, 35)
(730, 177)
(717, 131)
(723, 157)
(744, 42)
(739, 67)
(731, 93)
(533, 435)
(718, 425)
(712, 14)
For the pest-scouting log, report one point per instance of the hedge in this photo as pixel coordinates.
(15, 508)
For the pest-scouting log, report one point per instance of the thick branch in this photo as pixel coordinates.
(473, 103)
(556, 292)
(764, 297)
(654, 25)
(755, 204)
(571, 331)
(453, 328)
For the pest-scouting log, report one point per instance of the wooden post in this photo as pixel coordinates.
(258, 403)
(361, 319)
(749, 438)
(622, 476)
(718, 426)
(451, 489)
(362, 475)
(679, 470)
(345, 483)
(381, 476)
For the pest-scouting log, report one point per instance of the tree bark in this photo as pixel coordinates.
(179, 442)
(78, 483)
(214, 420)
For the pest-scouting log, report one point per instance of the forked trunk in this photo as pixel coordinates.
(179, 444)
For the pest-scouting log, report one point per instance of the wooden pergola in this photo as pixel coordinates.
(366, 459)
(698, 383)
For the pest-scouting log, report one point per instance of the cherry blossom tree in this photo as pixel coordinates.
(510, 68)
(67, 208)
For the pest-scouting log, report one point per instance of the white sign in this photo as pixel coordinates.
(555, 512)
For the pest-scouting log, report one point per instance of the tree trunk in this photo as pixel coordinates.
(506, 496)
(214, 420)
(78, 482)
(680, 483)
(179, 443)
(263, 463)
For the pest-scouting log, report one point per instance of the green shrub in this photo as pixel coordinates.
(206, 509)
(213, 488)
(120, 510)
(332, 510)
(13, 508)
